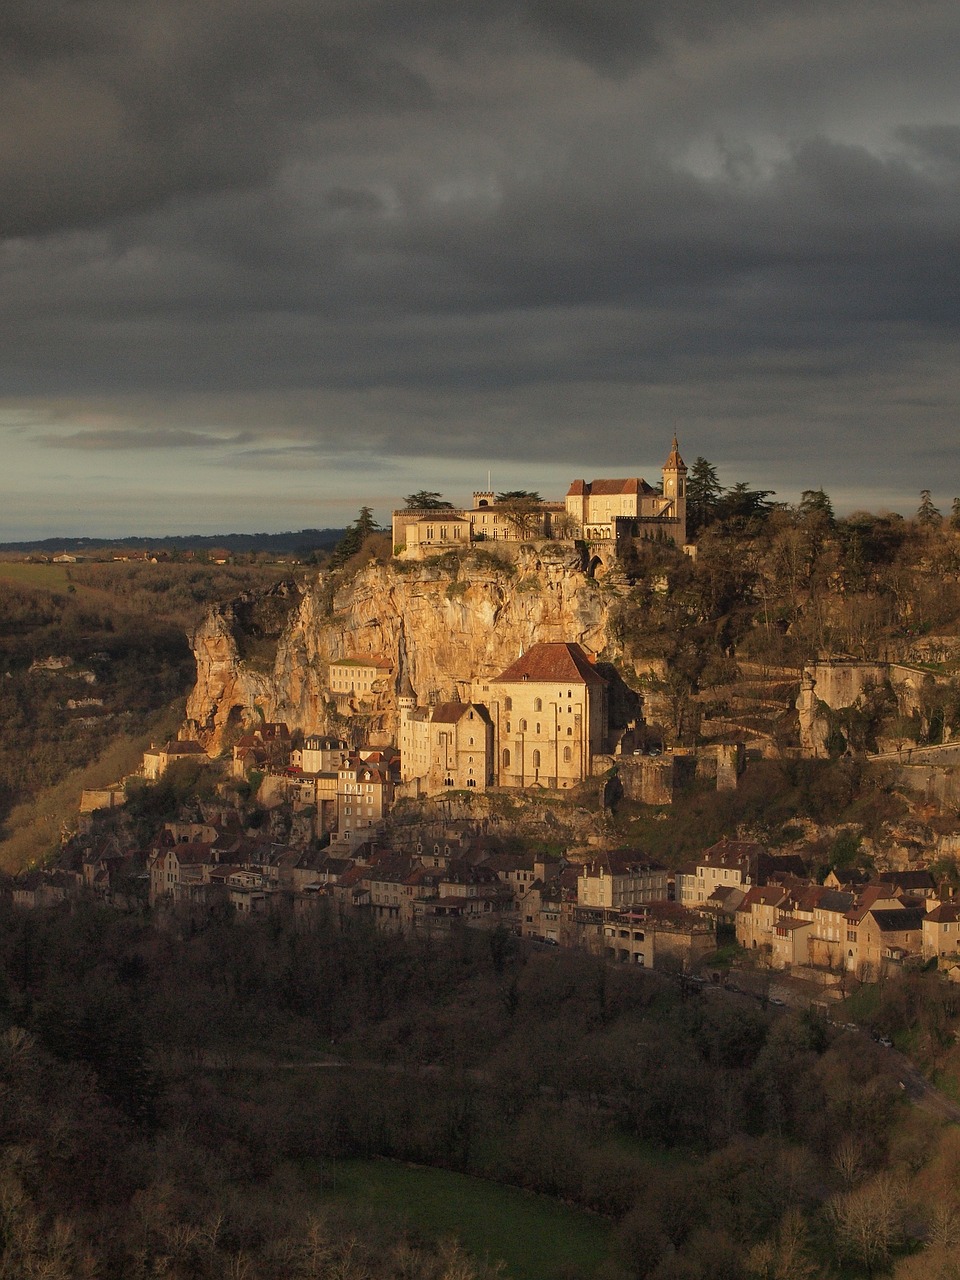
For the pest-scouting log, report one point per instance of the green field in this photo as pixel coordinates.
(536, 1237)
(48, 577)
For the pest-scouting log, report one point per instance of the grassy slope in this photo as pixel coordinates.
(535, 1236)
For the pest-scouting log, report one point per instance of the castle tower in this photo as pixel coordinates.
(675, 487)
(406, 706)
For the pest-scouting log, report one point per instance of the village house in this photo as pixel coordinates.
(357, 683)
(620, 879)
(757, 914)
(827, 910)
(320, 754)
(156, 761)
(941, 930)
(267, 746)
(364, 796)
(729, 863)
(656, 936)
(884, 937)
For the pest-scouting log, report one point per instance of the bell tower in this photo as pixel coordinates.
(675, 488)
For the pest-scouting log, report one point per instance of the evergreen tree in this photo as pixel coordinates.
(426, 500)
(741, 503)
(354, 538)
(955, 514)
(704, 491)
(815, 506)
(928, 517)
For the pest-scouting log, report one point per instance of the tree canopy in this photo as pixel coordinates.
(426, 500)
(704, 491)
(354, 537)
(927, 514)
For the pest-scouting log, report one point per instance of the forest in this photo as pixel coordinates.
(177, 1093)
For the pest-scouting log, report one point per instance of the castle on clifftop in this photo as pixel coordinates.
(605, 514)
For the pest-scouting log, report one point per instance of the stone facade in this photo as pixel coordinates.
(449, 745)
(550, 717)
(598, 511)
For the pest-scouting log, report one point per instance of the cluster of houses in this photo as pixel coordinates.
(617, 904)
(852, 923)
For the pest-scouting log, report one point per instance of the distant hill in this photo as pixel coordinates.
(301, 543)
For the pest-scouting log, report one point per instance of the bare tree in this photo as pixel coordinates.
(868, 1222)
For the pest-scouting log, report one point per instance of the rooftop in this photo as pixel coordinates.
(560, 662)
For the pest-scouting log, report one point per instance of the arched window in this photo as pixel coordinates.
(536, 759)
(508, 704)
(538, 704)
(567, 755)
(523, 726)
(538, 726)
(506, 757)
(569, 733)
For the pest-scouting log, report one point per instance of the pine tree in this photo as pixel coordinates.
(928, 517)
(426, 500)
(816, 505)
(955, 514)
(704, 491)
(354, 538)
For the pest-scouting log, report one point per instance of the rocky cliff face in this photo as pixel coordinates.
(443, 624)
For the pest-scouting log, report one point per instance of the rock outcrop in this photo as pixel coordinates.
(443, 624)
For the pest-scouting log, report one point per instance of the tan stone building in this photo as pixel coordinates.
(737, 864)
(447, 746)
(615, 880)
(550, 717)
(364, 796)
(358, 683)
(611, 510)
(657, 936)
(418, 533)
(757, 916)
(883, 937)
(320, 754)
(596, 511)
(941, 930)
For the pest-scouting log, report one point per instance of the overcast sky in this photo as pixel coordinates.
(263, 261)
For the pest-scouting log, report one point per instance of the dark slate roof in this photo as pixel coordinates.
(898, 919)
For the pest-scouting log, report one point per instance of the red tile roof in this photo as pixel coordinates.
(608, 488)
(946, 913)
(558, 662)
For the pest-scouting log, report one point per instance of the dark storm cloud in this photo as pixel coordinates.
(283, 235)
(120, 104)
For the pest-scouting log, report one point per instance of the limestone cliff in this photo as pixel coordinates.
(442, 623)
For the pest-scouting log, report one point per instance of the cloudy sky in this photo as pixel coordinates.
(265, 260)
